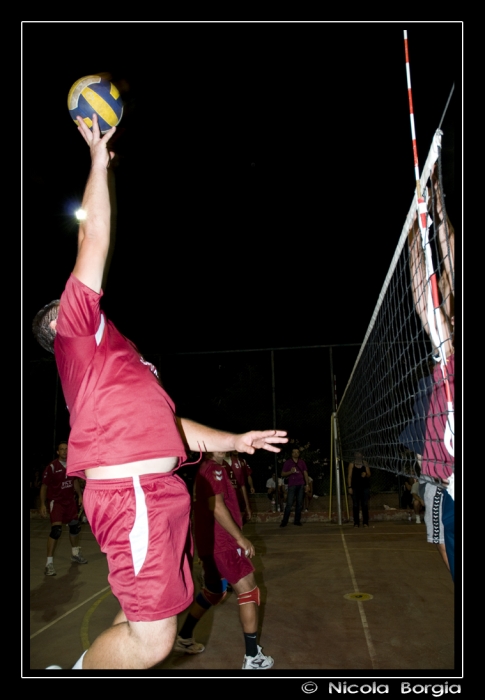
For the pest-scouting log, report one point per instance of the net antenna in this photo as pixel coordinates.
(432, 301)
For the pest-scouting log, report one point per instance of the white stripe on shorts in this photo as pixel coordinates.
(139, 533)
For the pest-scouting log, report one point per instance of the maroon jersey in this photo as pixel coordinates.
(437, 461)
(119, 413)
(60, 487)
(234, 472)
(210, 537)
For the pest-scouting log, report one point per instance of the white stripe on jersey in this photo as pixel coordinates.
(99, 332)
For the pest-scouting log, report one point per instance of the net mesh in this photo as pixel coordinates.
(388, 410)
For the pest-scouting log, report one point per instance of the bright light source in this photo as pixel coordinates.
(80, 214)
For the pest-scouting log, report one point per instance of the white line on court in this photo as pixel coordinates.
(368, 638)
(69, 612)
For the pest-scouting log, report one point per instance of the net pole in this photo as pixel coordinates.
(337, 470)
(273, 392)
(433, 302)
(331, 469)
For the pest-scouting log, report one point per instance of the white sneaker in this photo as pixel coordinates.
(49, 570)
(79, 558)
(188, 646)
(418, 520)
(260, 661)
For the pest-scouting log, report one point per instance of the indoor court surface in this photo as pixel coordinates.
(336, 600)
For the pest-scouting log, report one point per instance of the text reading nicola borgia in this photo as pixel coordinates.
(434, 689)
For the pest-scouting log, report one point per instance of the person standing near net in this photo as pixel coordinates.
(359, 488)
(296, 471)
(413, 437)
(434, 300)
(127, 442)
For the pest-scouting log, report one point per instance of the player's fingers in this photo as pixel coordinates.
(95, 127)
(270, 433)
(84, 130)
(270, 448)
(108, 134)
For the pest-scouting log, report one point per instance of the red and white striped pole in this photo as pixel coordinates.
(433, 302)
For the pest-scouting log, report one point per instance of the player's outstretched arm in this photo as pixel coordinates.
(201, 437)
(94, 230)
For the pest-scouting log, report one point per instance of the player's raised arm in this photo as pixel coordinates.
(94, 230)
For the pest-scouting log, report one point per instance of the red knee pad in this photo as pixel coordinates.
(213, 598)
(249, 597)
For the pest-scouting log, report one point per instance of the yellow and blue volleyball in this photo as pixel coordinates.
(94, 94)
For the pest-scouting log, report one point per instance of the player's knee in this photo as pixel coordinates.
(252, 596)
(152, 641)
(207, 598)
(56, 532)
(74, 527)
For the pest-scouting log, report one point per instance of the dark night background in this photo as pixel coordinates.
(265, 172)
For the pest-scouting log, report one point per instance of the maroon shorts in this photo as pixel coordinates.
(231, 564)
(63, 512)
(142, 524)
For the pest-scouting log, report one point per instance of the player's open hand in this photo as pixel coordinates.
(98, 144)
(260, 440)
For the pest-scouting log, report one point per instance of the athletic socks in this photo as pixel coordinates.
(79, 663)
(251, 644)
(188, 627)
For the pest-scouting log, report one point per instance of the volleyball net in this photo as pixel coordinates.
(385, 411)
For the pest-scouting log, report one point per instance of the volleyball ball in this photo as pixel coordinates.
(95, 95)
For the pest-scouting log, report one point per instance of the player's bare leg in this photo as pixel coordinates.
(248, 613)
(442, 551)
(120, 617)
(132, 645)
(51, 543)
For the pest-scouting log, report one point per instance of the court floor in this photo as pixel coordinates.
(336, 601)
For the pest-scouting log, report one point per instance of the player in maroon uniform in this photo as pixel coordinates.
(127, 442)
(58, 489)
(434, 299)
(225, 554)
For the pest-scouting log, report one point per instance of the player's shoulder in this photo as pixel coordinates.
(211, 473)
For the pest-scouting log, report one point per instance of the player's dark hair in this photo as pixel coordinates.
(41, 329)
